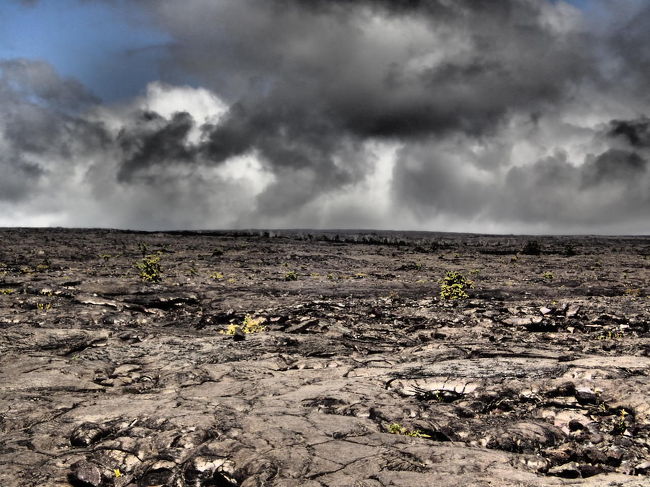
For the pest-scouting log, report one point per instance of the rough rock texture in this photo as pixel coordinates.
(359, 376)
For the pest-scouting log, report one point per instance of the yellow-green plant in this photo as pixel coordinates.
(454, 286)
(611, 335)
(249, 325)
(149, 268)
(620, 423)
(291, 276)
(398, 429)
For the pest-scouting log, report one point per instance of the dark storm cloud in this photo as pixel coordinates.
(613, 166)
(37, 109)
(38, 81)
(155, 140)
(511, 111)
(635, 132)
(551, 191)
(40, 111)
(438, 9)
(18, 178)
(346, 63)
(310, 81)
(291, 140)
(630, 44)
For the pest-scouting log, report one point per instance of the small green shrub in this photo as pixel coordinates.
(149, 268)
(548, 276)
(454, 286)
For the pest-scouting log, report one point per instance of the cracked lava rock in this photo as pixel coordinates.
(322, 359)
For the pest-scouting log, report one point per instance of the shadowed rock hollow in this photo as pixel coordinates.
(358, 373)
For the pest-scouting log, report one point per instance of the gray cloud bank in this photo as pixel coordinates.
(472, 115)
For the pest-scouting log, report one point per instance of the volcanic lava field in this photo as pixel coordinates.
(304, 358)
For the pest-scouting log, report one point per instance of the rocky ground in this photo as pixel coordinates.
(354, 372)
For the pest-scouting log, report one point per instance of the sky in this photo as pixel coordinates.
(517, 116)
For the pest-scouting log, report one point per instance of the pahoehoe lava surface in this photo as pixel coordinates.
(360, 376)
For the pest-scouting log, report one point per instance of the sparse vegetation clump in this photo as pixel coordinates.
(620, 424)
(248, 326)
(454, 286)
(634, 292)
(398, 429)
(548, 276)
(611, 335)
(291, 276)
(149, 268)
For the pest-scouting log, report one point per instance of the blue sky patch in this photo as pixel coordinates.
(96, 43)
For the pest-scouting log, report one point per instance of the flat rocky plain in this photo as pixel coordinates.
(359, 375)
